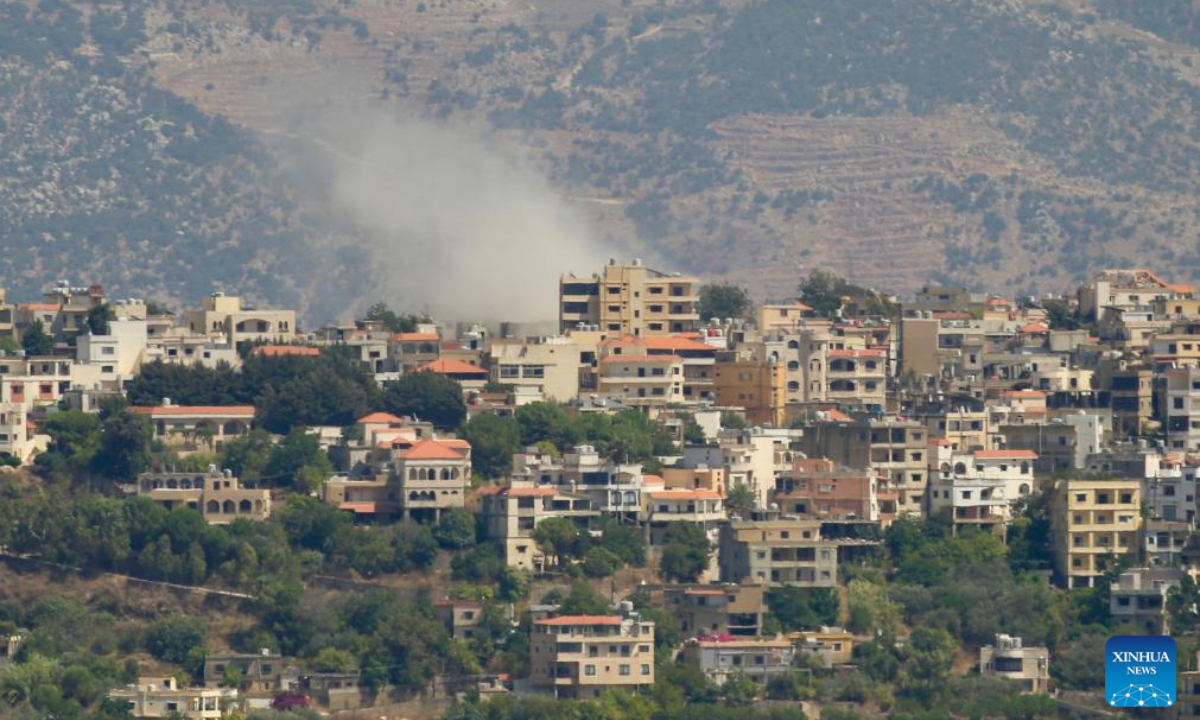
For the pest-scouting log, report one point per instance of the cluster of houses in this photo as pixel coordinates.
(961, 405)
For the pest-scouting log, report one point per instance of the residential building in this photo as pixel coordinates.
(334, 691)
(759, 388)
(1064, 443)
(225, 317)
(828, 646)
(890, 447)
(716, 609)
(511, 513)
(1183, 408)
(1139, 596)
(820, 489)
(153, 698)
(1007, 657)
(1187, 701)
(581, 656)
(705, 508)
(966, 430)
(1093, 522)
(697, 356)
(461, 617)
(412, 350)
(1127, 288)
(196, 428)
(19, 438)
(470, 377)
(260, 673)
(73, 305)
(414, 477)
(777, 552)
(218, 496)
(758, 659)
(614, 489)
(630, 300)
(642, 380)
(551, 365)
(776, 316)
(118, 353)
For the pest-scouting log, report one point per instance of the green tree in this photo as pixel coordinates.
(739, 690)
(723, 301)
(124, 445)
(685, 554)
(803, 608)
(558, 538)
(248, 455)
(35, 340)
(98, 317)
(598, 563)
(231, 678)
(393, 322)
(74, 436)
(585, 600)
(823, 291)
(455, 529)
(334, 660)
(299, 461)
(173, 638)
(427, 395)
(494, 440)
(545, 421)
(515, 584)
(926, 661)
(740, 500)
(627, 542)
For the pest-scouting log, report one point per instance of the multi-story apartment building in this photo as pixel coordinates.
(17, 439)
(698, 359)
(511, 513)
(782, 315)
(820, 489)
(759, 388)
(777, 552)
(717, 609)
(614, 489)
(642, 381)
(824, 364)
(217, 495)
(1183, 408)
(1139, 596)
(196, 428)
(225, 317)
(552, 366)
(1187, 701)
(889, 447)
(1064, 443)
(965, 430)
(1007, 657)
(630, 300)
(757, 659)
(1093, 522)
(705, 508)
(153, 698)
(261, 673)
(1129, 392)
(190, 350)
(74, 304)
(410, 351)
(581, 656)
(1127, 289)
(750, 457)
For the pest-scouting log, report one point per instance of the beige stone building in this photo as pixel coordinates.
(461, 617)
(197, 428)
(219, 496)
(224, 316)
(778, 552)
(262, 673)
(758, 659)
(153, 698)
(829, 646)
(629, 300)
(1093, 521)
(511, 513)
(759, 388)
(550, 365)
(418, 478)
(642, 380)
(719, 608)
(778, 316)
(581, 656)
(892, 448)
(1007, 657)
(1127, 289)
(705, 508)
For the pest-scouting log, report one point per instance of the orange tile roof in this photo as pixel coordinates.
(379, 417)
(1005, 455)
(415, 337)
(365, 508)
(529, 492)
(642, 358)
(222, 410)
(285, 351)
(686, 494)
(835, 415)
(581, 620)
(674, 343)
(450, 366)
(1034, 328)
(431, 450)
(653, 480)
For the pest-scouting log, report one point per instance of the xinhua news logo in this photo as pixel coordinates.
(1139, 671)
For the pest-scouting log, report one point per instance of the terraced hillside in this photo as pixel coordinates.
(1016, 146)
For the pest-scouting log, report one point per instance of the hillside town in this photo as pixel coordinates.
(837, 499)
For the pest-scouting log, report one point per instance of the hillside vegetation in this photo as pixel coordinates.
(1015, 145)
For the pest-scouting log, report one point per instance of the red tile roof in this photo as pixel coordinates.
(449, 366)
(285, 351)
(865, 352)
(529, 492)
(376, 418)
(1005, 455)
(581, 620)
(221, 410)
(1034, 328)
(431, 450)
(673, 343)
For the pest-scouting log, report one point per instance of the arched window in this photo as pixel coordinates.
(1024, 489)
(445, 473)
(412, 474)
(960, 468)
(213, 507)
(793, 345)
(172, 484)
(793, 385)
(228, 507)
(413, 495)
(793, 365)
(185, 484)
(1024, 468)
(245, 506)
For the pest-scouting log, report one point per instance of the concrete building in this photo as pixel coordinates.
(510, 515)
(1064, 443)
(828, 646)
(74, 304)
(630, 300)
(261, 673)
(705, 508)
(225, 317)
(642, 381)
(1187, 702)
(1139, 596)
(196, 428)
(461, 617)
(1007, 657)
(778, 316)
(1183, 408)
(118, 354)
(892, 448)
(720, 657)
(414, 477)
(551, 365)
(759, 388)
(820, 489)
(1093, 521)
(217, 495)
(614, 489)
(581, 656)
(1127, 289)
(153, 698)
(715, 609)
(777, 552)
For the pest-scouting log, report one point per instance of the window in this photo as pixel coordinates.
(510, 371)
(624, 670)
(645, 669)
(589, 670)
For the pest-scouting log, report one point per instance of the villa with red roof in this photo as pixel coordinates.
(416, 478)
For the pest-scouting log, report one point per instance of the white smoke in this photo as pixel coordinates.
(457, 225)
